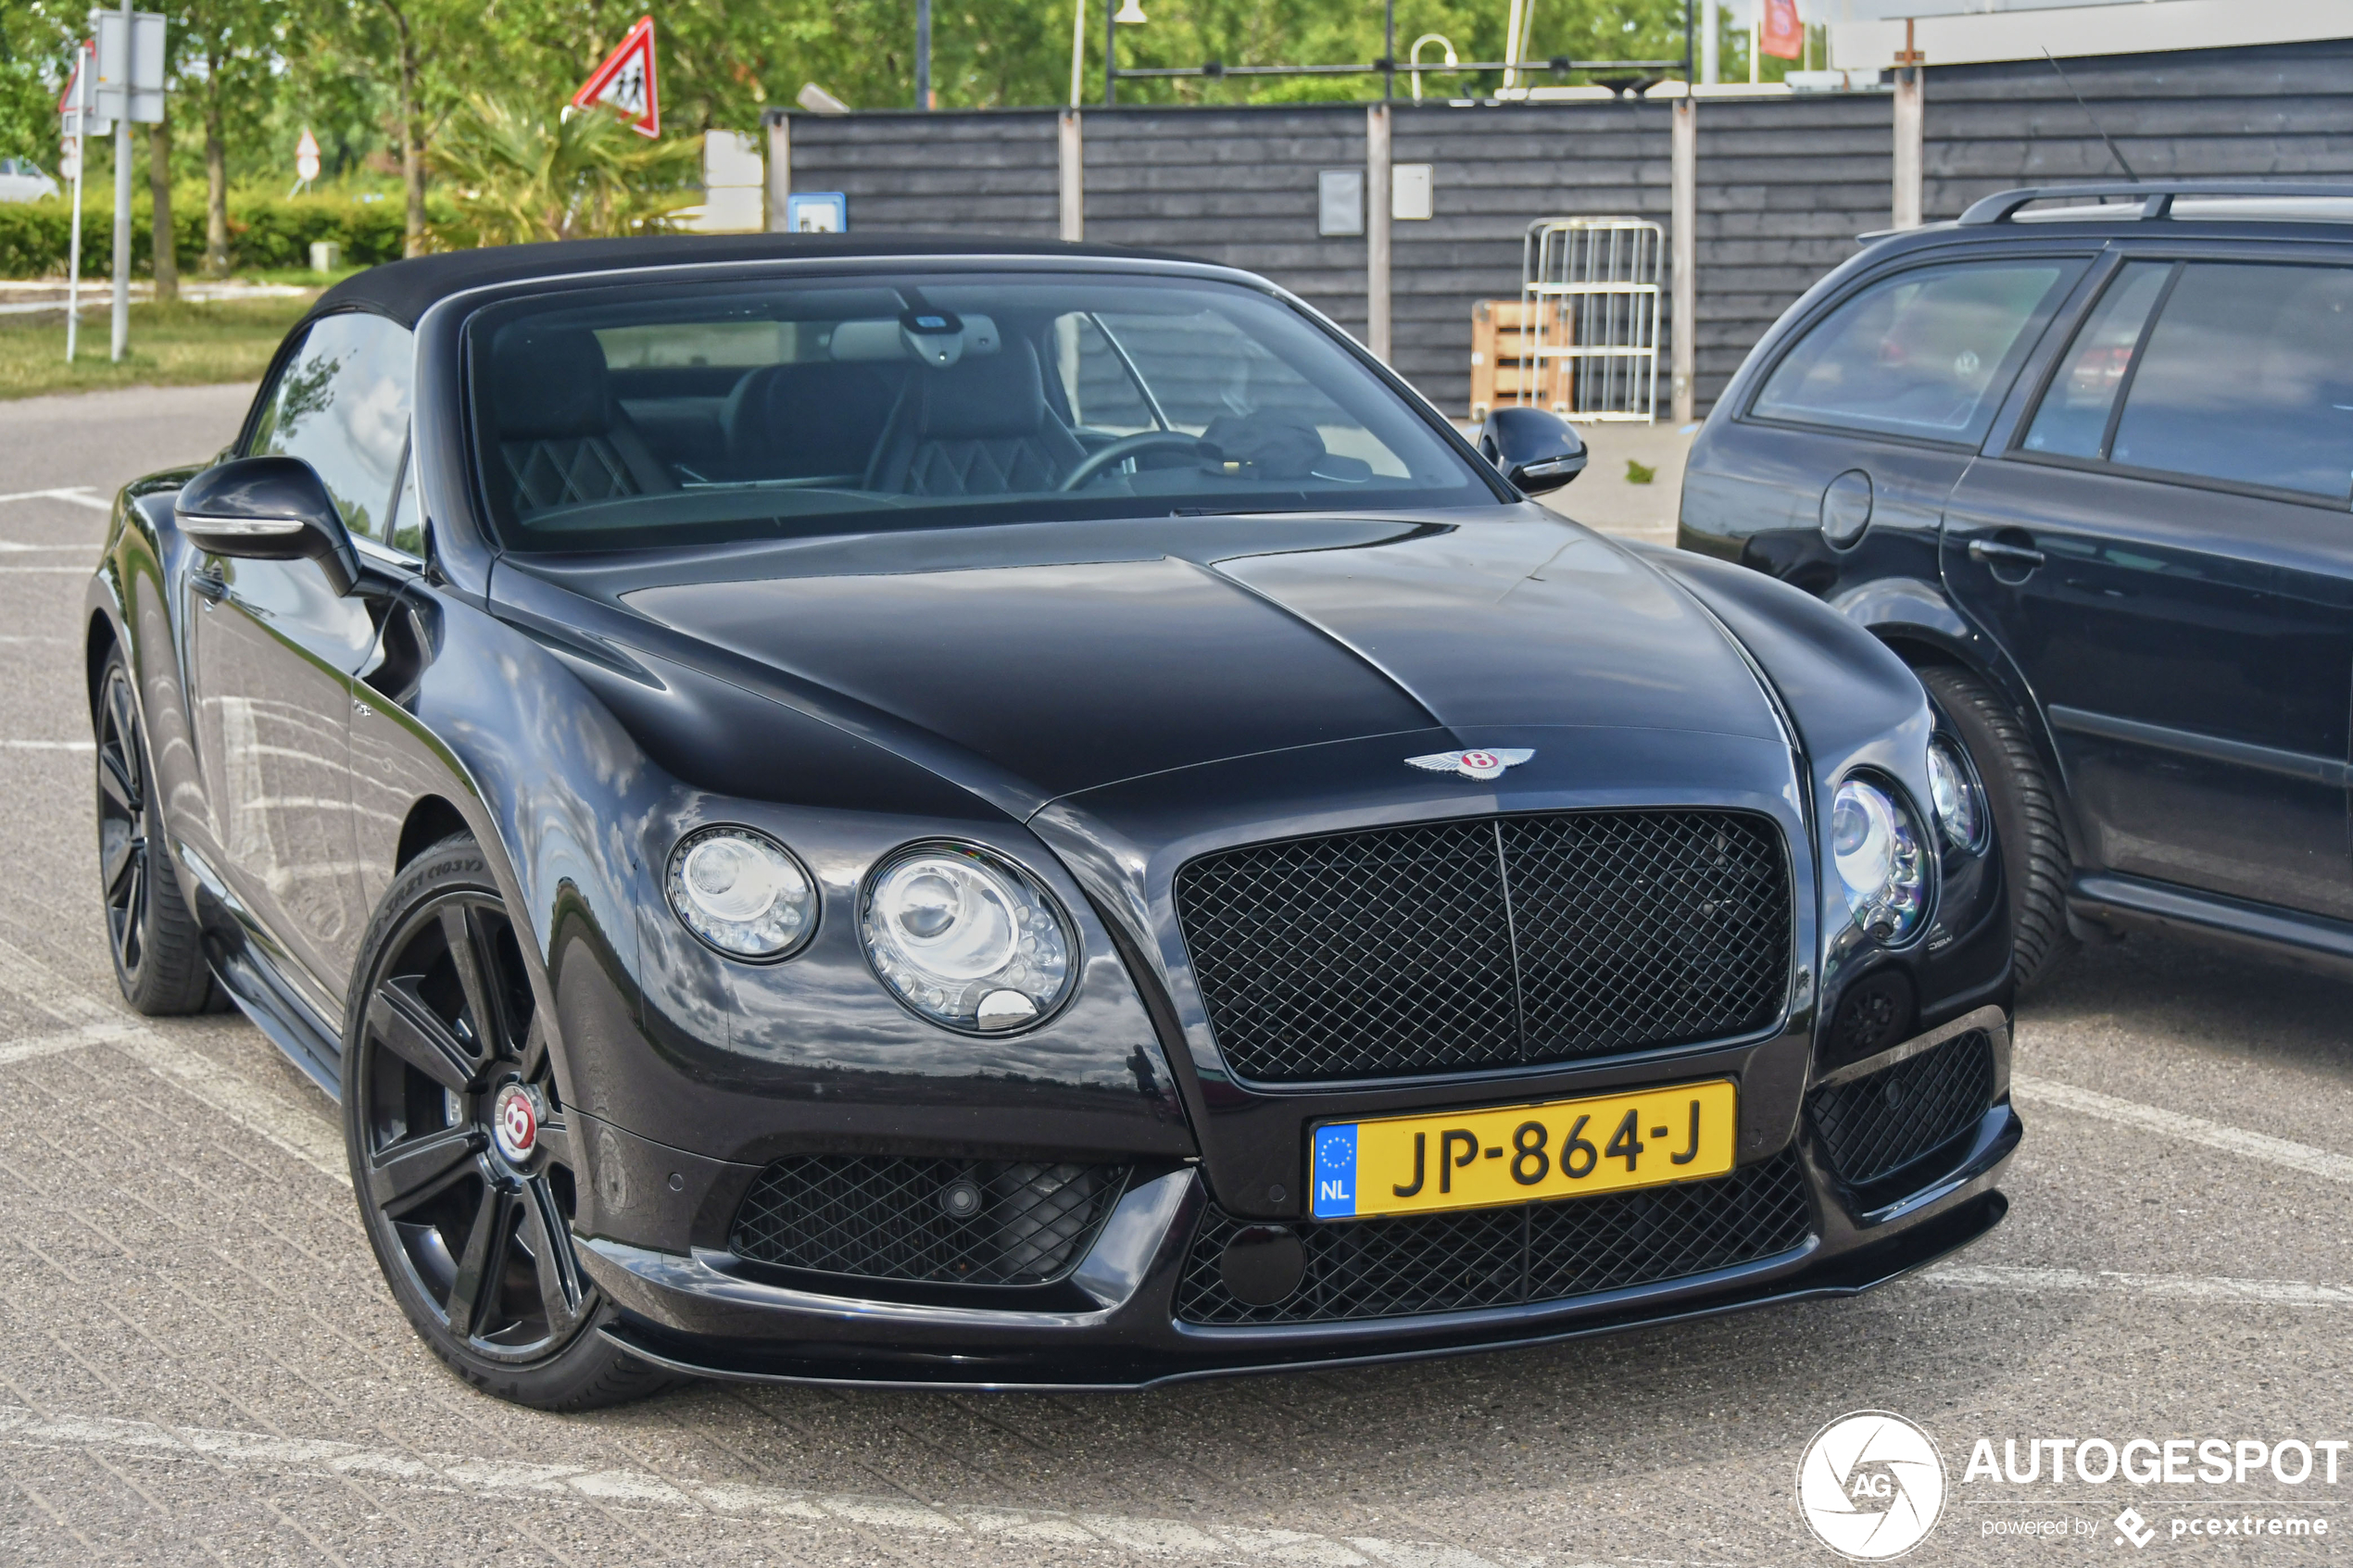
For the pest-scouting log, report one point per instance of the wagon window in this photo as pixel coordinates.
(2248, 378)
(1927, 353)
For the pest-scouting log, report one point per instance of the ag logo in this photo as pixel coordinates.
(1870, 1485)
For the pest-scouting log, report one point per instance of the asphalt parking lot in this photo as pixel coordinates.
(198, 1362)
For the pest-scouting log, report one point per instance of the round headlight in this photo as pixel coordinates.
(742, 892)
(1878, 853)
(1960, 812)
(965, 938)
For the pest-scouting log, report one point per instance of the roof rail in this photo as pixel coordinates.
(2156, 195)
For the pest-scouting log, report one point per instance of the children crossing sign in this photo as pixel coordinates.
(626, 82)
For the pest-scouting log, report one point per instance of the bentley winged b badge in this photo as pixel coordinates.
(1471, 764)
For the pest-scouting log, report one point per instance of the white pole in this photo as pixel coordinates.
(1756, 41)
(1711, 44)
(1077, 49)
(122, 199)
(1910, 125)
(1379, 193)
(1072, 157)
(80, 162)
(1511, 45)
(1683, 202)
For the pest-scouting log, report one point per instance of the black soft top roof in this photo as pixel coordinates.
(405, 290)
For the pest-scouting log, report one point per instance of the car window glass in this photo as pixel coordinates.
(341, 405)
(1926, 353)
(2248, 377)
(2073, 421)
(1097, 387)
(406, 530)
(1212, 377)
(656, 414)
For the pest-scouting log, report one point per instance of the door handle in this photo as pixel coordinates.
(1993, 552)
(213, 588)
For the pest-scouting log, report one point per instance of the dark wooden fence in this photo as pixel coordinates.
(1785, 184)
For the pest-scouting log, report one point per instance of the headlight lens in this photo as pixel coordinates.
(1878, 852)
(742, 892)
(967, 939)
(1959, 810)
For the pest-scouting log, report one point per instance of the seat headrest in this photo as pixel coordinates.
(983, 398)
(550, 385)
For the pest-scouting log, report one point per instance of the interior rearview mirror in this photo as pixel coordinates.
(1536, 450)
(268, 509)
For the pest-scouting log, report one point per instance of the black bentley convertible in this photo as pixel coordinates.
(1014, 815)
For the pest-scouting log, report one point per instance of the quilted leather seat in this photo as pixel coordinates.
(805, 421)
(564, 437)
(978, 427)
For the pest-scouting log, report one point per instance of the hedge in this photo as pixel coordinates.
(264, 231)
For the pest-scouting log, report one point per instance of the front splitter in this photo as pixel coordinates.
(1849, 1274)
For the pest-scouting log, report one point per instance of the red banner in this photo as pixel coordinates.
(1783, 35)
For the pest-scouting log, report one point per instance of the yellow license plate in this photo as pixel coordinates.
(1513, 1153)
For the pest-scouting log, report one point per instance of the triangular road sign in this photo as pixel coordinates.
(626, 81)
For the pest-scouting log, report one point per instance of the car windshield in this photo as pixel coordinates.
(685, 414)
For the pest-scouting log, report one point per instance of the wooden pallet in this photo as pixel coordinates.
(1502, 341)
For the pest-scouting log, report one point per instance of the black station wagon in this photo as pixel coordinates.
(2087, 468)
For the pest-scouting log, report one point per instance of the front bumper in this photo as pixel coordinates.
(1116, 1324)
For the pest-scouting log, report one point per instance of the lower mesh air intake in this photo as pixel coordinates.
(1872, 1127)
(950, 1221)
(1402, 1265)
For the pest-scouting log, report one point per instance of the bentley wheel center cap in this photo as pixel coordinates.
(514, 1122)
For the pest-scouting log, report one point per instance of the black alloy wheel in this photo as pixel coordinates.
(159, 961)
(461, 1159)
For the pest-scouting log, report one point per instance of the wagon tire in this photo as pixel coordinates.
(2036, 862)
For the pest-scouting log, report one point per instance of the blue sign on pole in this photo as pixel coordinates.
(816, 212)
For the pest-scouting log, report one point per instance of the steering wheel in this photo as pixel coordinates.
(1126, 446)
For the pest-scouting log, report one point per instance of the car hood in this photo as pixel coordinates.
(1046, 659)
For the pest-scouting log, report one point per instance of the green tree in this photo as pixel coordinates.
(226, 51)
(518, 175)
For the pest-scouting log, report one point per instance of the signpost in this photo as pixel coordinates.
(130, 58)
(306, 160)
(626, 82)
(80, 126)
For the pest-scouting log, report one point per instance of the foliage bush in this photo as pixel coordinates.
(265, 232)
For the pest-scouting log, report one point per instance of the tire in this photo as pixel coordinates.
(159, 961)
(2036, 862)
(473, 1237)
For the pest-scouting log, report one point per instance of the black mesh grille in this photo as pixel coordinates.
(1403, 1265)
(1494, 942)
(896, 1219)
(1873, 1127)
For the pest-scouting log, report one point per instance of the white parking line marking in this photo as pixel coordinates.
(312, 1136)
(23, 1428)
(2186, 1287)
(45, 570)
(74, 494)
(70, 1040)
(9, 545)
(48, 744)
(2179, 1124)
(316, 1139)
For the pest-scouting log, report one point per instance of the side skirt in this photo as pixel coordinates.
(253, 984)
(2307, 941)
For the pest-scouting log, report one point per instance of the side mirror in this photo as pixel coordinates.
(1538, 451)
(268, 509)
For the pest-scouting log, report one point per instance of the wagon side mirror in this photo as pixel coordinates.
(268, 509)
(1535, 449)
